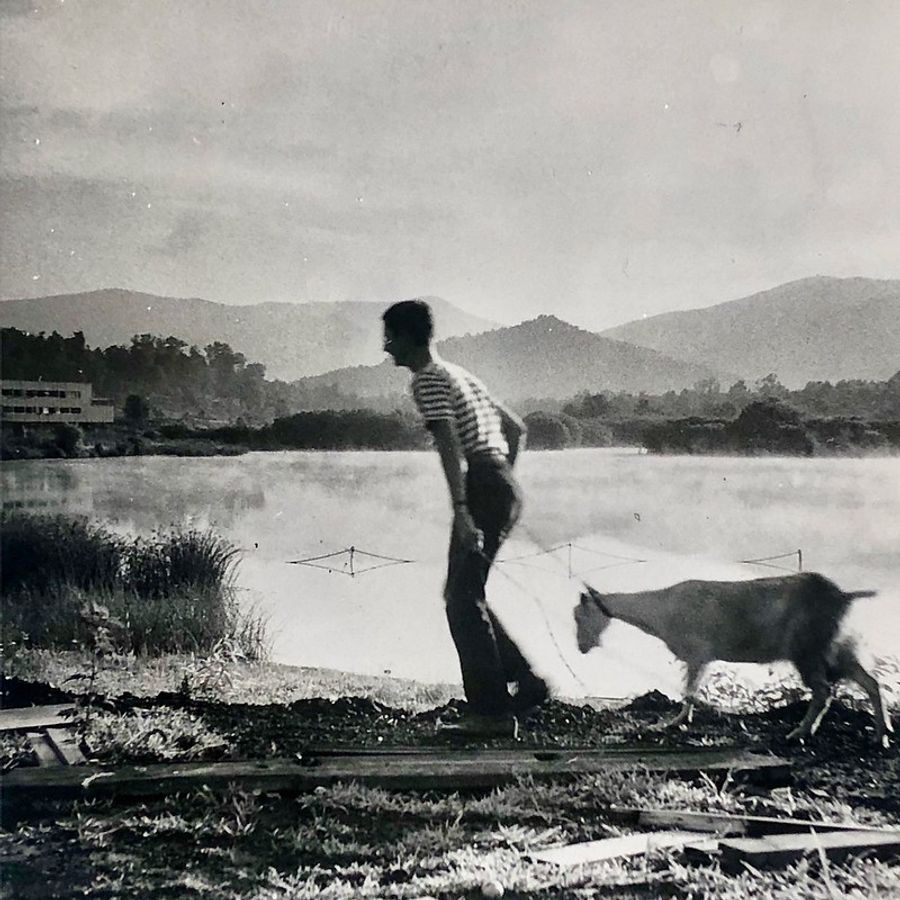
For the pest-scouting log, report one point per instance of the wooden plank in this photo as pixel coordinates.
(540, 753)
(657, 758)
(28, 718)
(66, 746)
(702, 852)
(43, 750)
(724, 824)
(613, 848)
(780, 850)
(453, 771)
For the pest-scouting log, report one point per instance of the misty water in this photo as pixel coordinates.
(621, 520)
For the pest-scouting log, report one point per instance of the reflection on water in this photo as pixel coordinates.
(45, 489)
(687, 517)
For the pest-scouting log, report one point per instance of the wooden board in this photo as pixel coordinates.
(453, 770)
(65, 744)
(613, 848)
(43, 750)
(724, 824)
(29, 718)
(518, 751)
(702, 852)
(780, 850)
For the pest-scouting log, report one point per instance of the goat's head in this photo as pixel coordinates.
(590, 620)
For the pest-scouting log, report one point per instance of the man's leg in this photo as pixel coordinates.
(496, 518)
(472, 629)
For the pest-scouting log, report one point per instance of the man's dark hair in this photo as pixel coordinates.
(411, 317)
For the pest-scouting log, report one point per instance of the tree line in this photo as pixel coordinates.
(217, 391)
(175, 380)
(820, 417)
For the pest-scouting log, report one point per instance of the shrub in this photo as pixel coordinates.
(68, 438)
(595, 433)
(691, 435)
(767, 425)
(547, 431)
(137, 409)
(173, 591)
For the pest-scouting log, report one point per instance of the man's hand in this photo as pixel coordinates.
(466, 530)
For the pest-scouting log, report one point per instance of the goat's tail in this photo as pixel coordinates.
(856, 595)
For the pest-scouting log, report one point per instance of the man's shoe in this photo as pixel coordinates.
(529, 697)
(476, 725)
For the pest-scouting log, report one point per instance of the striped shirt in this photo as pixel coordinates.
(444, 391)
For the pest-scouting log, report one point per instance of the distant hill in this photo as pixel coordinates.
(290, 339)
(541, 358)
(815, 329)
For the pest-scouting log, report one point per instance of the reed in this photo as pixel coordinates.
(171, 592)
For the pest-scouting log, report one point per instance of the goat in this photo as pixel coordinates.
(791, 617)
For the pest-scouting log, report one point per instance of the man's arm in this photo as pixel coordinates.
(514, 431)
(447, 443)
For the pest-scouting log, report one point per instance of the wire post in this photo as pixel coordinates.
(569, 545)
(800, 560)
(352, 551)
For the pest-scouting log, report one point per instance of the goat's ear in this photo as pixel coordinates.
(585, 598)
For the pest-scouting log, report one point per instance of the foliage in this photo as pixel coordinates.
(157, 735)
(547, 431)
(767, 425)
(68, 438)
(344, 430)
(163, 378)
(137, 409)
(869, 400)
(164, 373)
(173, 591)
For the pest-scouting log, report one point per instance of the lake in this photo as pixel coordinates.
(619, 519)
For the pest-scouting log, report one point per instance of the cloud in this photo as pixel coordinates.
(506, 154)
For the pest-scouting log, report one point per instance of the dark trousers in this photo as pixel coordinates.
(488, 657)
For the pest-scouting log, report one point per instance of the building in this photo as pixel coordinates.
(49, 402)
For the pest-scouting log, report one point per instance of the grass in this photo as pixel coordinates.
(172, 592)
(226, 676)
(348, 841)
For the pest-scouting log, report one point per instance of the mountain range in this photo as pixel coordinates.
(290, 339)
(541, 358)
(814, 329)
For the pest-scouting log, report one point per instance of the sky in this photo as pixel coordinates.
(601, 161)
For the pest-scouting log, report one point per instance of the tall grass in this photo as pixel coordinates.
(171, 592)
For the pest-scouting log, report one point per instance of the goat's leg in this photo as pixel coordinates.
(850, 667)
(692, 679)
(815, 680)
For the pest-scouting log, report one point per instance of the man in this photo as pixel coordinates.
(478, 440)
